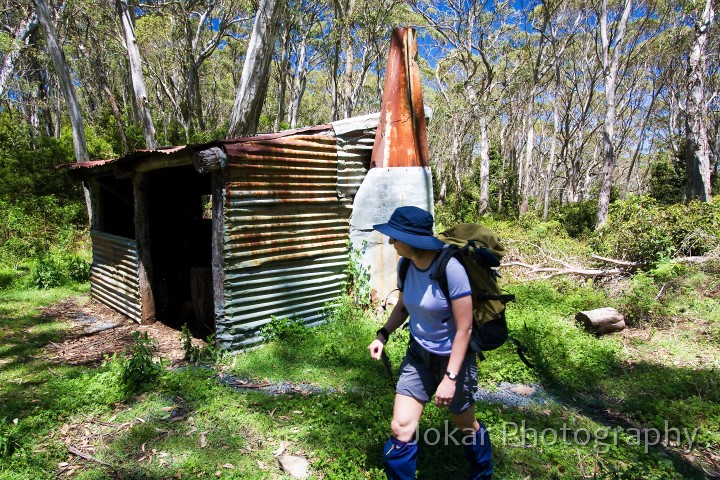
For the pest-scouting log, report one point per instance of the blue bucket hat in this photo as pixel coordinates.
(412, 226)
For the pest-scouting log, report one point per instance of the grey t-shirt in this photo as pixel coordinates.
(431, 319)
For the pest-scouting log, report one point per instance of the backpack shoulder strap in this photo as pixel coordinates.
(439, 269)
(402, 272)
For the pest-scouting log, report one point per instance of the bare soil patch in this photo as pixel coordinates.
(97, 331)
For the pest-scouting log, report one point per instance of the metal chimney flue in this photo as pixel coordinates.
(401, 138)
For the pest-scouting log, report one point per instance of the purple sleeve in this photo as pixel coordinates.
(458, 282)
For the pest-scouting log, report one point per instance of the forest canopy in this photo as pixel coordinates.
(537, 105)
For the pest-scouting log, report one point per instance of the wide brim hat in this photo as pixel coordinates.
(412, 226)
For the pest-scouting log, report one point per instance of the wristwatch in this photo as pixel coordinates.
(451, 375)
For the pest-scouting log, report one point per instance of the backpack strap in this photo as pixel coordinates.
(402, 272)
(439, 273)
(521, 349)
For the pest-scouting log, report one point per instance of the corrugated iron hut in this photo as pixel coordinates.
(225, 235)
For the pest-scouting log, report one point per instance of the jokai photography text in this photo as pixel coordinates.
(601, 438)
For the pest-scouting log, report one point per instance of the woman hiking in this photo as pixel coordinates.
(438, 361)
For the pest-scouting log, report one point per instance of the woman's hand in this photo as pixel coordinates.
(376, 349)
(445, 393)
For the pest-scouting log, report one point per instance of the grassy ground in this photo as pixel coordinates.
(609, 394)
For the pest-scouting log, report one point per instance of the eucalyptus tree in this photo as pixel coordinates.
(561, 32)
(546, 21)
(189, 32)
(18, 24)
(304, 23)
(697, 146)
(253, 85)
(612, 44)
(579, 120)
(126, 14)
(65, 79)
(26, 79)
(468, 40)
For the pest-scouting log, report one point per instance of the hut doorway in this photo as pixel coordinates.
(180, 237)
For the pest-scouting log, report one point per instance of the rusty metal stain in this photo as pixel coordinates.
(114, 277)
(401, 138)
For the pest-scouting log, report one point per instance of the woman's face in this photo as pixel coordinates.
(402, 249)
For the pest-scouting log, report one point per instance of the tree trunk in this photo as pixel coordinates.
(283, 75)
(529, 144)
(298, 81)
(22, 34)
(483, 203)
(105, 87)
(124, 9)
(66, 84)
(550, 170)
(610, 69)
(349, 59)
(251, 92)
(697, 147)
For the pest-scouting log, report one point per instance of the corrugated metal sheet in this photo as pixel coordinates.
(355, 138)
(114, 277)
(286, 233)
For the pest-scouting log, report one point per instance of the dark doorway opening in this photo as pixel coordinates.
(180, 239)
(116, 212)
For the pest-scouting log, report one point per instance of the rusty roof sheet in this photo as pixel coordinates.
(139, 155)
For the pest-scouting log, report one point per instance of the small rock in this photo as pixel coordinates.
(296, 467)
(523, 390)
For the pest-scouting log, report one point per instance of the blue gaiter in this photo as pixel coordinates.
(479, 453)
(400, 459)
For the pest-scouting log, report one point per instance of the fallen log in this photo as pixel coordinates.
(601, 321)
(549, 272)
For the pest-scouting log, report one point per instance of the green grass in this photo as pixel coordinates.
(191, 425)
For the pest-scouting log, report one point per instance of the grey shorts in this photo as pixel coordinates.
(421, 373)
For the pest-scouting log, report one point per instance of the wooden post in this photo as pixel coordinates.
(142, 236)
(218, 243)
(95, 212)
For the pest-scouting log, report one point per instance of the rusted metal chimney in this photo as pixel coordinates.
(399, 172)
(401, 138)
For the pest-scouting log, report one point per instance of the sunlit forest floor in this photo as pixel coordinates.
(643, 403)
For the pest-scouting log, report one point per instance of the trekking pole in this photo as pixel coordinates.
(388, 367)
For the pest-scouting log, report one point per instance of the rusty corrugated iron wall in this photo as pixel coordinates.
(114, 277)
(285, 233)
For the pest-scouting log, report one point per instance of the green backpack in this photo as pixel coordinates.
(479, 250)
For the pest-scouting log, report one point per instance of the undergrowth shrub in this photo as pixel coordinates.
(357, 278)
(140, 370)
(640, 229)
(578, 219)
(640, 303)
(7, 440)
(58, 268)
(290, 328)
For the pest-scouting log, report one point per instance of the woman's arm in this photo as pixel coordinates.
(462, 312)
(395, 320)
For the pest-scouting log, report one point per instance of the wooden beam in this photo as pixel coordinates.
(95, 211)
(210, 160)
(218, 254)
(183, 159)
(142, 236)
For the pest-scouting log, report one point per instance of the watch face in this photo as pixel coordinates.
(451, 375)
